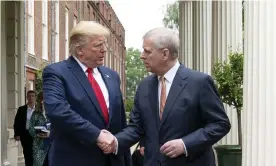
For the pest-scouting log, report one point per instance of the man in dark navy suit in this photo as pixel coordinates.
(177, 110)
(81, 98)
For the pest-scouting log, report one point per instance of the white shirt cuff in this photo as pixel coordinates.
(117, 146)
(186, 153)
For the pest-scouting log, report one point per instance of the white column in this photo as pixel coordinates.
(3, 119)
(185, 33)
(202, 16)
(227, 36)
(1, 47)
(259, 84)
(195, 34)
(13, 74)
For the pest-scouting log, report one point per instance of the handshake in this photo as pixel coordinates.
(107, 142)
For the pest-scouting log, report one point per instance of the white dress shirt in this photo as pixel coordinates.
(98, 77)
(29, 115)
(169, 77)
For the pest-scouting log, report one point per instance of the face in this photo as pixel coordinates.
(154, 58)
(31, 97)
(92, 54)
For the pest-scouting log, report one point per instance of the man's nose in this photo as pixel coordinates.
(142, 56)
(104, 49)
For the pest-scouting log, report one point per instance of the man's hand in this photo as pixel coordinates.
(17, 138)
(43, 135)
(142, 150)
(107, 142)
(173, 148)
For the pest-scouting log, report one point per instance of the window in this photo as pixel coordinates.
(45, 29)
(31, 27)
(110, 58)
(57, 31)
(75, 21)
(109, 20)
(66, 33)
(120, 68)
(31, 85)
(88, 7)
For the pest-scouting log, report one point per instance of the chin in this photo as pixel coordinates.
(100, 63)
(148, 69)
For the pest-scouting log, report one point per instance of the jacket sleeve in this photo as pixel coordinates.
(127, 154)
(142, 142)
(134, 131)
(59, 111)
(213, 114)
(16, 125)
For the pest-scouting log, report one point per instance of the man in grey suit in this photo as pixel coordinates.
(177, 110)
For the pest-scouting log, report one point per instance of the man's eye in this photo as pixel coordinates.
(146, 51)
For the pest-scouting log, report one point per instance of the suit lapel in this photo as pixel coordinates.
(178, 85)
(25, 113)
(153, 98)
(108, 83)
(83, 80)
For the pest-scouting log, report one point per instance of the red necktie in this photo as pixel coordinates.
(98, 93)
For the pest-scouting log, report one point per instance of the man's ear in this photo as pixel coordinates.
(79, 50)
(165, 53)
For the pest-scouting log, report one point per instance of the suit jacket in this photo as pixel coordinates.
(193, 113)
(76, 117)
(19, 125)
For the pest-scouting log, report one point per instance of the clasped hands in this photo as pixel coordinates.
(107, 142)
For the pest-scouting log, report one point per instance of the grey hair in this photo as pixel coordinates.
(164, 38)
(80, 35)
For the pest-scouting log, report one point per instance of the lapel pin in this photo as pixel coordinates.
(107, 76)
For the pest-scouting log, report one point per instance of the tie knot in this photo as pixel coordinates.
(89, 70)
(162, 79)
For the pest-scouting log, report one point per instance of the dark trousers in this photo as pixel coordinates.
(27, 145)
(46, 162)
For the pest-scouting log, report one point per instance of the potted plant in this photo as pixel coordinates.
(228, 76)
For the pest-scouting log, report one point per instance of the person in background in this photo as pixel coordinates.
(21, 127)
(40, 140)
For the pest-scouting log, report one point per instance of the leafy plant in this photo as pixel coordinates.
(128, 106)
(228, 77)
(135, 71)
(38, 80)
(171, 17)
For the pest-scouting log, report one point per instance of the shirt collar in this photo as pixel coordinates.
(84, 68)
(31, 108)
(169, 76)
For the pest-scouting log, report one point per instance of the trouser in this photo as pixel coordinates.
(27, 145)
(46, 161)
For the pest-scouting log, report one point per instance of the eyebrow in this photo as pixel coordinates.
(146, 49)
(100, 42)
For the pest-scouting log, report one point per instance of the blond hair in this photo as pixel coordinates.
(81, 34)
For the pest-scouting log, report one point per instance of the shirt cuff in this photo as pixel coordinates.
(117, 146)
(186, 153)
